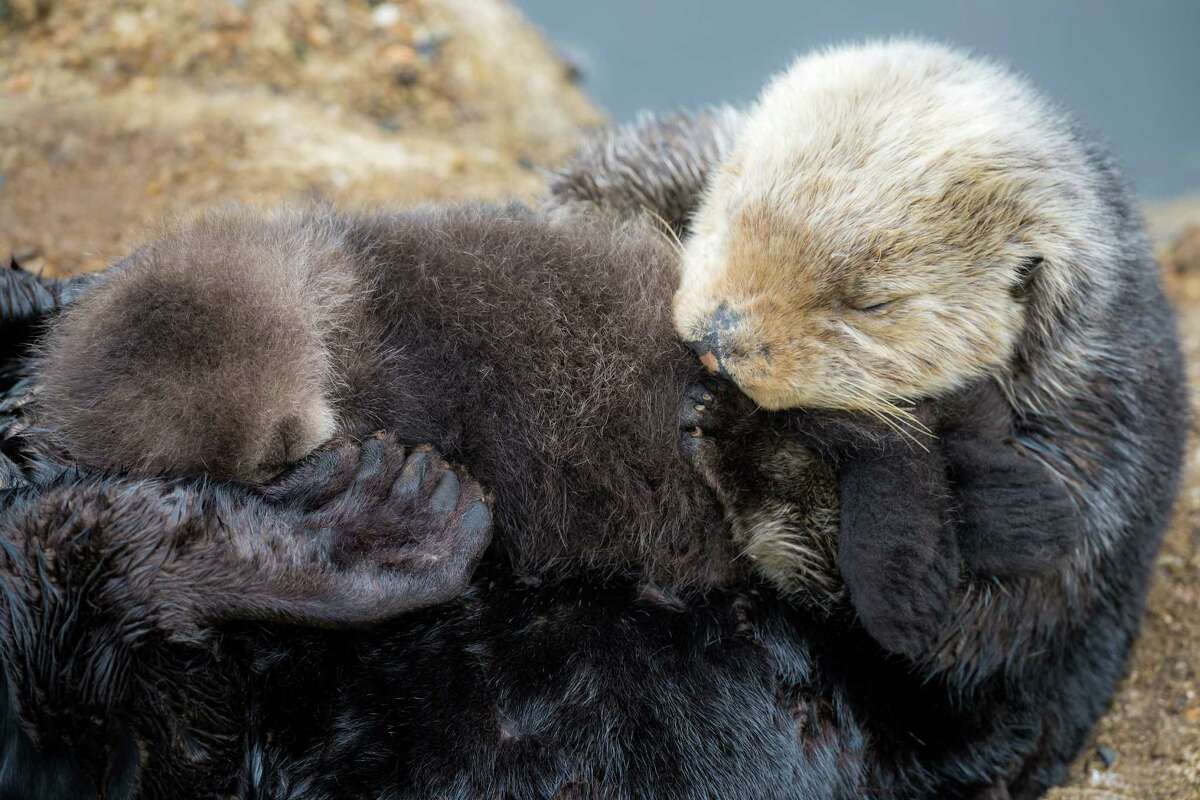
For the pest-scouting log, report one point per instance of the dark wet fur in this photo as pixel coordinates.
(583, 690)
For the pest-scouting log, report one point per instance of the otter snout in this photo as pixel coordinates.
(716, 333)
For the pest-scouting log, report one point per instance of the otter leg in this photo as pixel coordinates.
(897, 548)
(355, 535)
(898, 554)
(398, 529)
(1014, 517)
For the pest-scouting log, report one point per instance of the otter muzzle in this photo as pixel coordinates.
(713, 346)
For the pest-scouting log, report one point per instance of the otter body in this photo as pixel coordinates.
(588, 687)
(880, 233)
(886, 730)
(123, 677)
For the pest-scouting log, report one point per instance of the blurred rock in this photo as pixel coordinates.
(114, 115)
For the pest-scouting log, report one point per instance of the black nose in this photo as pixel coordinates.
(713, 345)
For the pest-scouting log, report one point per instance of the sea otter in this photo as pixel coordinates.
(599, 684)
(897, 221)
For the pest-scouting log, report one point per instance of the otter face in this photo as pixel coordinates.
(836, 314)
(874, 233)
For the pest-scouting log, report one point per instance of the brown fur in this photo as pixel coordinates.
(538, 354)
(875, 228)
(228, 366)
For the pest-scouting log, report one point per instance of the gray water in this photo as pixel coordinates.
(1129, 70)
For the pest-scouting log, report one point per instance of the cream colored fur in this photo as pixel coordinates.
(895, 172)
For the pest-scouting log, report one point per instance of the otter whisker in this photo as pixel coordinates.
(667, 232)
(895, 418)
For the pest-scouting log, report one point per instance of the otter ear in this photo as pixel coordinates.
(1027, 271)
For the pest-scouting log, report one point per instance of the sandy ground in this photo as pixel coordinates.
(116, 114)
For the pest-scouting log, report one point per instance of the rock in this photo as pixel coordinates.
(115, 114)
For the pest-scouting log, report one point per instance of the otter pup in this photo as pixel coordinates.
(240, 343)
(899, 223)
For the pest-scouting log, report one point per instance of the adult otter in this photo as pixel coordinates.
(894, 222)
(1087, 354)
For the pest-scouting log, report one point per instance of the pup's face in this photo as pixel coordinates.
(808, 309)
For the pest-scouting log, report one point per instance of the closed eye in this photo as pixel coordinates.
(871, 307)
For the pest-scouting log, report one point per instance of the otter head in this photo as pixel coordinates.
(204, 352)
(808, 312)
(878, 232)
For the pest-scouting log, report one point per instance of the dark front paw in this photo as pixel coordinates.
(902, 599)
(404, 528)
(898, 556)
(711, 414)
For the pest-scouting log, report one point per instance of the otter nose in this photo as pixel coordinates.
(713, 345)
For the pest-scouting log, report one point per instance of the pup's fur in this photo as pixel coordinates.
(538, 355)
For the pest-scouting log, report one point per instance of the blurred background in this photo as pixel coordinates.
(116, 114)
(1129, 69)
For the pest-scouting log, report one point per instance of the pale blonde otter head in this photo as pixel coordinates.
(878, 227)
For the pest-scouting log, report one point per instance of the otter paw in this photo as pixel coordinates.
(425, 515)
(400, 516)
(708, 412)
